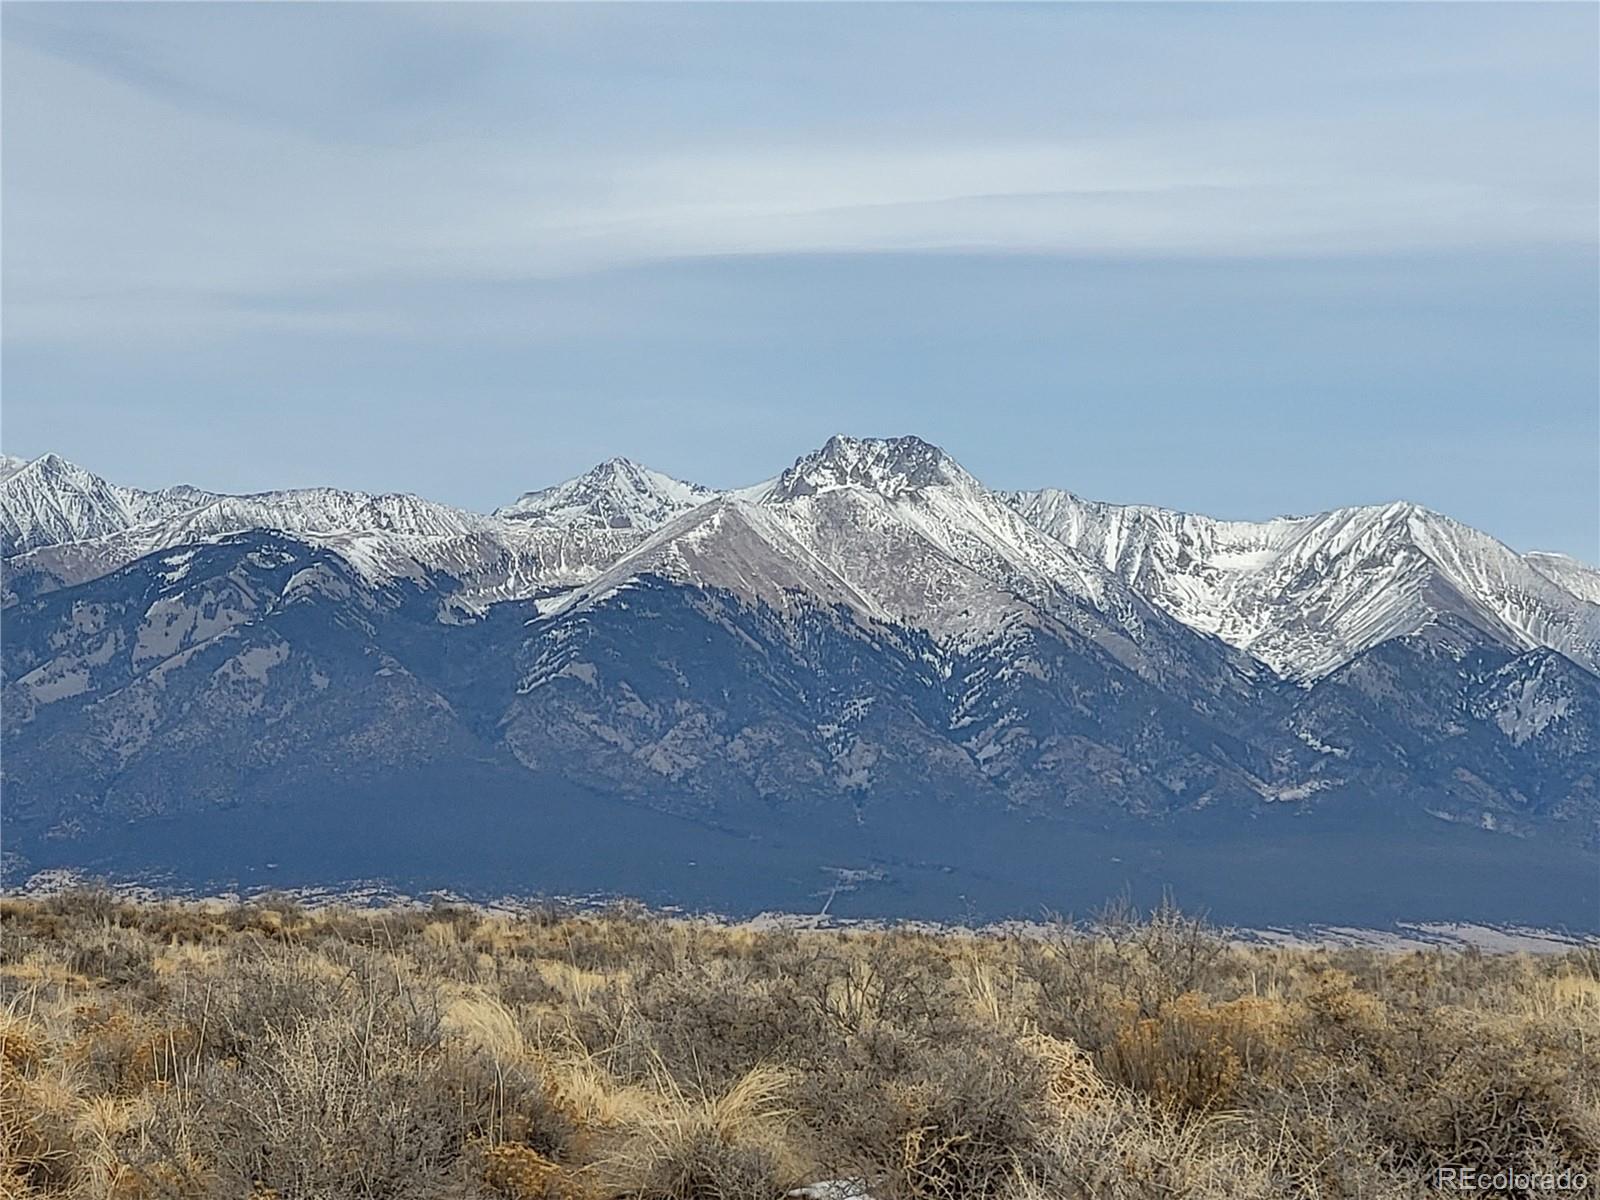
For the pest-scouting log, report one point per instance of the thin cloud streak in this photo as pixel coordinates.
(207, 207)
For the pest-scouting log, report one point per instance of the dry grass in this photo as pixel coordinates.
(269, 1052)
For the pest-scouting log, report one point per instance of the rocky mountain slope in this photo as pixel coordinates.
(1578, 578)
(871, 651)
(1307, 594)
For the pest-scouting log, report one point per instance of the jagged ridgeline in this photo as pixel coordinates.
(870, 682)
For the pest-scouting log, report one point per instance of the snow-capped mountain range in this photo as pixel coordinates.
(892, 527)
(869, 658)
(1306, 594)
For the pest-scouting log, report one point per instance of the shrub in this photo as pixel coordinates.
(287, 1053)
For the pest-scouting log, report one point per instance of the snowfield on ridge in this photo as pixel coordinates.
(894, 527)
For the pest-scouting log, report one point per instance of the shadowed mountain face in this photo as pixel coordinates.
(869, 678)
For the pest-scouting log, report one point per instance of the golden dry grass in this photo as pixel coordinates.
(266, 1051)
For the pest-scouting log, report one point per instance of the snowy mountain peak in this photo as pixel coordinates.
(890, 467)
(1307, 594)
(51, 500)
(616, 494)
(51, 466)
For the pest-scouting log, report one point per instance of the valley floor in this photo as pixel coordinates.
(268, 1050)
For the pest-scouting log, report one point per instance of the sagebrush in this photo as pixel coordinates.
(271, 1051)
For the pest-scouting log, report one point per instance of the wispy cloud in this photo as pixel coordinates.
(145, 194)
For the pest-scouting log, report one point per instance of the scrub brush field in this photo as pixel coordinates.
(267, 1050)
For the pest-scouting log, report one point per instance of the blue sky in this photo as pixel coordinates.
(1238, 259)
